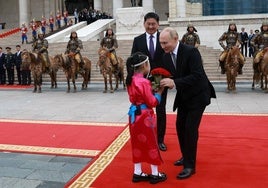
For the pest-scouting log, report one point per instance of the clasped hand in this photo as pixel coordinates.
(167, 82)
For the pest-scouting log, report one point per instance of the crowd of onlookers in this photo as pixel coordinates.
(90, 15)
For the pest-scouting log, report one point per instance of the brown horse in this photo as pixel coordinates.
(70, 67)
(264, 70)
(36, 64)
(232, 67)
(54, 67)
(107, 69)
(35, 61)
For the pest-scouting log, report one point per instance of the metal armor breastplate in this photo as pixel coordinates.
(108, 42)
(265, 39)
(73, 45)
(39, 44)
(190, 39)
(231, 39)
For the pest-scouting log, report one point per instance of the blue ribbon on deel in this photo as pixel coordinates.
(132, 110)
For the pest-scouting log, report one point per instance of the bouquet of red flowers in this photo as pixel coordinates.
(158, 74)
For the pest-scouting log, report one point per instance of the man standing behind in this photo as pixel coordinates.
(244, 39)
(10, 63)
(148, 43)
(194, 91)
(250, 47)
(17, 57)
(2, 67)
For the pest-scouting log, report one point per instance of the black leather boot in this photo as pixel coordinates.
(240, 69)
(222, 67)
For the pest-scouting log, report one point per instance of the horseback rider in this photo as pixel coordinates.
(40, 46)
(232, 38)
(110, 43)
(74, 46)
(260, 42)
(191, 38)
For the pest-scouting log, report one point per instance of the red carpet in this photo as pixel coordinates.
(58, 135)
(15, 86)
(232, 153)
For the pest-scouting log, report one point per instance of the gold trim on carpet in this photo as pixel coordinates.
(64, 122)
(94, 170)
(49, 150)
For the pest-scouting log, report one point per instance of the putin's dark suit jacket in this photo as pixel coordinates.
(193, 87)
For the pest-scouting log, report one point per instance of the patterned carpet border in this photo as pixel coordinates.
(49, 150)
(86, 178)
(65, 122)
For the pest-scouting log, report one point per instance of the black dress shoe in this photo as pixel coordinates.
(179, 162)
(186, 173)
(156, 179)
(162, 147)
(141, 177)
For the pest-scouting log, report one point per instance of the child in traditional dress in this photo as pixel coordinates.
(142, 120)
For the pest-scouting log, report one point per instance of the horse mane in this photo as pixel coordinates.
(232, 51)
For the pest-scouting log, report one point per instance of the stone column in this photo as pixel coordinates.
(172, 8)
(181, 8)
(23, 12)
(98, 5)
(148, 6)
(117, 4)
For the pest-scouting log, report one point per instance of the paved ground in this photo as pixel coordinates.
(42, 171)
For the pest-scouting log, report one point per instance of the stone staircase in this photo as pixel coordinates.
(209, 55)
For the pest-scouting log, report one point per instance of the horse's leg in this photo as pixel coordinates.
(51, 80)
(68, 85)
(123, 78)
(111, 83)
(116, 82)
(253, 82)
(105, 83)
(55, 79)
(39, 82)
(73, 80)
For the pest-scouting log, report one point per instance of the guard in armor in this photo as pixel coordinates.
(40, 46)
(260, 42)
(191, 38)
(74, 46)
(232, 38)
(110, 43)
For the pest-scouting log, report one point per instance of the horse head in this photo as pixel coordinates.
(233, 58)
(103, 56)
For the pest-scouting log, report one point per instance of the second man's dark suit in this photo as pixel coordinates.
(17, 57)
(140, 45)
(194, 91)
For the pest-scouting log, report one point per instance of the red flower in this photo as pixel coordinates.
(158, 74)
(160, 71)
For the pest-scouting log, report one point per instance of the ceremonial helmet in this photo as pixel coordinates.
(191, 25)
(264, 23)
(40, 32)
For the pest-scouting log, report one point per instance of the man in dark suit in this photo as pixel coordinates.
(142, 43)
(10, 63)
(244, 39)
(17, 57)
(194, 92)
(2, 67)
